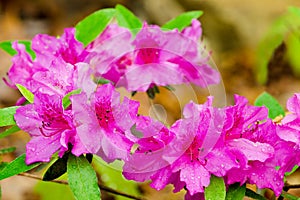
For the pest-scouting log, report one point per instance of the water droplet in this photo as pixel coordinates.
(222, 165)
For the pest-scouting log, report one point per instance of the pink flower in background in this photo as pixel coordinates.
(51, 129)
(153, 57)
(55, 65)
(103, 122)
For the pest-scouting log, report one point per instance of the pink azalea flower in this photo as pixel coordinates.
(289, 131)
(249, 132)
(54, 66)
(182, 160)
(103, 122)
(51, 128)
(154, 57)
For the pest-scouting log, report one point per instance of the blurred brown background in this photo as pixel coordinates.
(232, 30)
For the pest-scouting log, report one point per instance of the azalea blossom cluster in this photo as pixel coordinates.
(239, 142)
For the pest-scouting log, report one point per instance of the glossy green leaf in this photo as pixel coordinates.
(216, 189)
(50, 191)
(7, 47)
(26, 93)
(275, 109)
(111, 176)
(66, 100)
(7, 116)
(82, 179)
(183, 20)
(15, 167)
(254, 195)
(7, 150)
(91, 26)
(57, 169)
(127, 19)
(9, 131)
(236, 192)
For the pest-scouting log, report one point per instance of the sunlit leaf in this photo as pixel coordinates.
(7, 116)
(236, 192)
(26, 93)
(82, 179)
(216, 189)
(183, 20)
(7, 47)
(91, 26)
(58, 191)
(111, 176)
(66, 100)
(127, 19)
(275, 109)
(9, 131)
(15, 167)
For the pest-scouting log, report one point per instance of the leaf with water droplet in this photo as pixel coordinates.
(216, 189)
(236, 192)
(15, 167)
(82, 178)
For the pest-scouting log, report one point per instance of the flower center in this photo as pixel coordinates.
(147, 56)
(53, 120)
(104, 113)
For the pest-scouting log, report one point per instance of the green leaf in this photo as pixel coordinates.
(111, 176)
(66, 100)
(7, 116)
(2, 165)
(7, 150)
(236, 192)
(183, 20)
(293, 49)
(82, 178)
(9, 131)
(127, 19)
(91, 26)
(216, 189)
(15, 167)
(289, 196)
(57, 169)
(7, 47)
(58, 191)
(254, 195)
(26, 93)
(275, 109)
(292, 171)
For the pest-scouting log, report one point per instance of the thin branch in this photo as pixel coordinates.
(288, 186)
(102, 187)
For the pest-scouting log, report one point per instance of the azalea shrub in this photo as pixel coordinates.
(74, 113)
